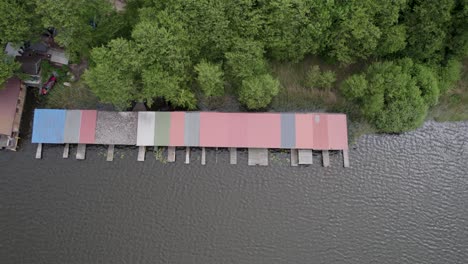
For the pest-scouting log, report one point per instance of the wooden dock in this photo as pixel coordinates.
(141, 153)
(258, 156)
(81, 152)
(171, 151)
(325, 158)
(305, 156)
(233, 155)
(110, 153)
(294, 158)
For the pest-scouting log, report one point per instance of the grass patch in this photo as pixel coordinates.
(453, 105)
(159, 154)
(77, 96)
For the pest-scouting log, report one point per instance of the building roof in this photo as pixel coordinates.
(30, 63)
(58, 56)
(318, 131)
(8, 101)
(64, 126)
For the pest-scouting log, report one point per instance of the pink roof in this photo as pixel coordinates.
(177, 127)
(337, 132)
(8, 101)
(321, 138)
(263, 130)
(88, 126)
(240, 130)
(304, 131)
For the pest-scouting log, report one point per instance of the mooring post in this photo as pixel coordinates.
(171, 154)
(141, 153)
(325, 158)
(66, 151)
(233, 155)
(110, 153)
(39, 151)
(203, 156)
(187, 155)
(81, 152)
(294, 157)
(345, 158)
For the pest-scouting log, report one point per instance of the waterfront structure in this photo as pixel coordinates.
(12, 97)
(300, 132)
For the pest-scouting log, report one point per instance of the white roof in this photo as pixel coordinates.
(11, 50)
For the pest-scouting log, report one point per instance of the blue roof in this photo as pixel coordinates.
(48, 126)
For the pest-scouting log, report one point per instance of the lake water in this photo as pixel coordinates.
(404, 200)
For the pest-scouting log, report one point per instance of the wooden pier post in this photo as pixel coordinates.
(187, 155)
(233, 155)
(110, 153)
(345, 158)
(325, 158)
(203, 156)
(81, 152)
(141, 153)
(171, 154)
(39, 151)
(294, 157)
(66, 151)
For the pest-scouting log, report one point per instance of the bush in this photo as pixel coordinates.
(389, 96)
(256, 92)
(318, 79)
(449, 75)
(210, 78)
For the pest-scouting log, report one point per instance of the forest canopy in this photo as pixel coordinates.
(176, 49)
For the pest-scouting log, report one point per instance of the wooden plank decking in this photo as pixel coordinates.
(305, 156)
(258, 156)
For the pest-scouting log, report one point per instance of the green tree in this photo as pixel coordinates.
(390, 99)
(426, 80)
(257, 92)
(428, 23)
(293, 29)
(8, 68)
(18, 22)
(74, 22)
(163, 40)
(246, 59)
(160, 83)
(318, 79)
(210, 78)
(449, 75)
(113, 77)
(365, 28)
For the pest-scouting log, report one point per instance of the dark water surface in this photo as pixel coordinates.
(405, 200)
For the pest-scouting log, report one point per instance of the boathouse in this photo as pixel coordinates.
(12, 97)
(258, 132)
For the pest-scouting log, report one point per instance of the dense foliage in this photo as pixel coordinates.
(394, 96)
(8, 68)
(320, 79)
(166, 49)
